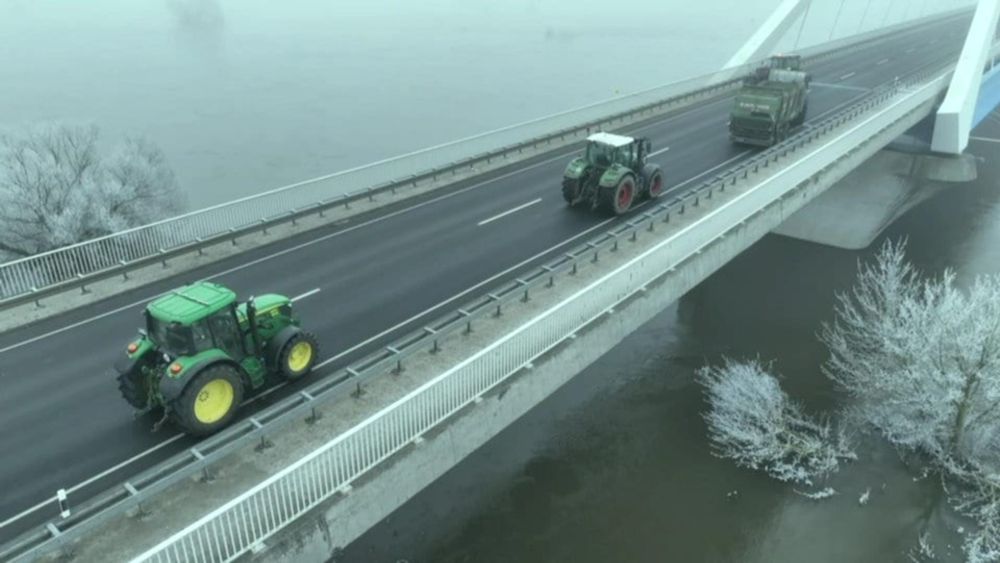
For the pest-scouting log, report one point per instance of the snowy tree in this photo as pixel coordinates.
(57, 189)
(752, 421)
(920, 360)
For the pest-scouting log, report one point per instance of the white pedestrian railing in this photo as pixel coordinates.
(29, 276)
(246, 521)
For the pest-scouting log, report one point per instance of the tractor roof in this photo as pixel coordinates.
(191, 303)
(611, 139)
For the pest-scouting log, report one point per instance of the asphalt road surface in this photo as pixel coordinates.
(64, 425)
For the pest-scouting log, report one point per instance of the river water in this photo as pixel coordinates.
(615, 465)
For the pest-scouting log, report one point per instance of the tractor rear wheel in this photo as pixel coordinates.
(209, 401)
(619, 199)
(133, 389)
(298, 356)
(655, 185)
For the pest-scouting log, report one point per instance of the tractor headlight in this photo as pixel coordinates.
(175, 368)
(132, 347)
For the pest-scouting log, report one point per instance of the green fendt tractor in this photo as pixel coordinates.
(771, 102)
(201, 351)
(612, 174)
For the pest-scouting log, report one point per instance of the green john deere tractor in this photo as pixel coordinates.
(612, 174)
(201, 352)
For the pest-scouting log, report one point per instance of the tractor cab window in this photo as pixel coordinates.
(174, 338)
(600, 154)
(227, 332)
(285, 311)
(201, 336)
(625, 155)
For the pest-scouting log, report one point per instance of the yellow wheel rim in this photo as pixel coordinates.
(299, 357)
(214, 401)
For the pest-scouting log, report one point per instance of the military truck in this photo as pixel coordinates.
(771, 102)
(201, 352)
(612, 174)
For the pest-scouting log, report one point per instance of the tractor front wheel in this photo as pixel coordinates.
(209, 401)
(298, 356)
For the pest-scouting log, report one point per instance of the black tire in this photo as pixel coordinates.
(654, 187)
(287, 367)
(618, 200)
(183, 409)
(781, 134)
(132, 382)
(133, 389)
(801, 117)
(571, 189)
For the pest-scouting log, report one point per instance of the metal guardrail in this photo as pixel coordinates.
(251, 518)
(46, 273)
(430, 338)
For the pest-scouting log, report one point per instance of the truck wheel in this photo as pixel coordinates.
(801, 117)
(570, 190)
(655, 185)
(619, 199)
(209, 400)
(297, 356)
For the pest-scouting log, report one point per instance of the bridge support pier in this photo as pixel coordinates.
(855, 210)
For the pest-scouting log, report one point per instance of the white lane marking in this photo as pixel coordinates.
(283, 252)
(986, 139)
(309, 293)
(882, 62)
(514, 267)
(338, 233)
(316, 290)
(369, 340)
(661, 151)
(848, 75)
(840, 86)
(263, 394)
(462, 294)
(712, 169)
(97, 477)
(508, 212)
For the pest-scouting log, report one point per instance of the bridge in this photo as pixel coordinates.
(451, 290)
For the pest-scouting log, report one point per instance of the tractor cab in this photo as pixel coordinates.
(605, 149)
(195, 319)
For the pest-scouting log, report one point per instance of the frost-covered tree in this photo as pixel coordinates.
(56, 188)
(920, 359)
(752, 421)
